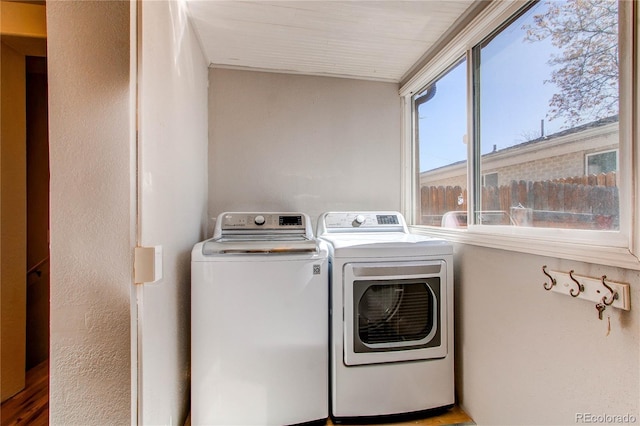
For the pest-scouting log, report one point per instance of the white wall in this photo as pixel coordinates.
(281, 142)
(91, 212)
(173, 201)
(529, 356)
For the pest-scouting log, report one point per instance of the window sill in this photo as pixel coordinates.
(584, 252)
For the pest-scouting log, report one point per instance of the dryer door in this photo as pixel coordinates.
(394, 311)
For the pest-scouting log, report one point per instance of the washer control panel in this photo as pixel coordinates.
(263, 221)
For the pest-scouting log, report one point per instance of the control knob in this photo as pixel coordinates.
(359, 219)
(259, 220)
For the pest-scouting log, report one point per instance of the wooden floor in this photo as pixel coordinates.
(31, 406)
(454, 416)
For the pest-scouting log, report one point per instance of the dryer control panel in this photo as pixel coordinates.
(369, 221)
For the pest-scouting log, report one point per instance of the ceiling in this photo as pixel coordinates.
(372, 40)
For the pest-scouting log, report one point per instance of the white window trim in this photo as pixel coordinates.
(620, 248)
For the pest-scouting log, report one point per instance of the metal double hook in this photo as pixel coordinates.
(553, 280)
(614, 294)
(580, 286)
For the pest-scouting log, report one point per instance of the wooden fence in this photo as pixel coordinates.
(582, 202)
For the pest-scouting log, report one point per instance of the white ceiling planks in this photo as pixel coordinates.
(377, 40)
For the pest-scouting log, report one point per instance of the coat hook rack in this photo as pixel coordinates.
(603, 291)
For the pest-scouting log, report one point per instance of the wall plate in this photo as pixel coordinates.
(147, 266)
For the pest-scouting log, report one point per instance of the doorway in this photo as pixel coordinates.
(37, 327)
(25, 194)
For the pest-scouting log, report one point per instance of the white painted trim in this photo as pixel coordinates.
(306, 73)
(136, 292)
(627, 164)
(631, 153)
(590, 253)
(407, 183)
(471, 179)
(133, 201)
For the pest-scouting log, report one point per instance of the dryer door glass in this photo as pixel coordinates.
(396, 314)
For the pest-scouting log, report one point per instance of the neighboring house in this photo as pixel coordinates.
(570, 153)
(531, 175)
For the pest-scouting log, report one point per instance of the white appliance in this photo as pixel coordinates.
(259, 322)
(391, 320)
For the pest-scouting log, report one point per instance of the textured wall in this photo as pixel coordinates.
(173, 166)
(292, 142)
(91, 212)
(526, 356)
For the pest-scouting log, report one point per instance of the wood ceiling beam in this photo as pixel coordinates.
(23, 19)
(23, 26)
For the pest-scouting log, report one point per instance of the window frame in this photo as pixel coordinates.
(615, 248)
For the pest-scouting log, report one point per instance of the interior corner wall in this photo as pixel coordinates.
(173, 145)
(526, 356)
(90, 193)
(286, 142)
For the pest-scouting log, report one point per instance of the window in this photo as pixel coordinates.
(554, 64)
(535, 147)
(490, 179)
(601, 162)
(441, 111)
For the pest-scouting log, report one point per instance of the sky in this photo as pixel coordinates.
(514, 99)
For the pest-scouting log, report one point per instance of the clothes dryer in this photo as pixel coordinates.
(391, 316)
(259, 319)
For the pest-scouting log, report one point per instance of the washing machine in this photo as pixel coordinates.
(259, 322)
(391, 316)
